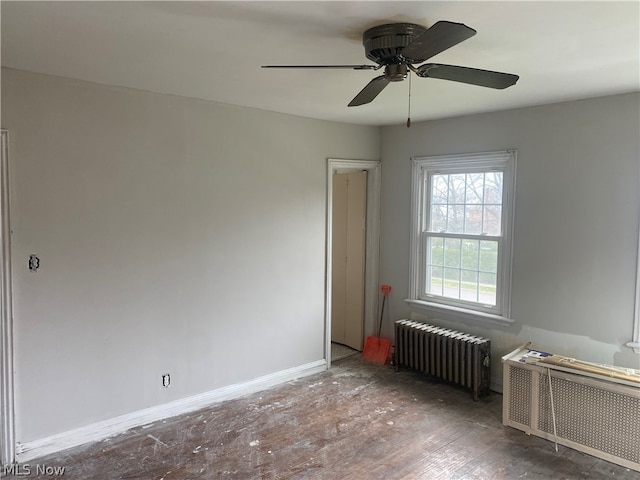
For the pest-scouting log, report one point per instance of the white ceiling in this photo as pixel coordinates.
(213, 50)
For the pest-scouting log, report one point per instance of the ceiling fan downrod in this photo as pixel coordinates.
(409, 110)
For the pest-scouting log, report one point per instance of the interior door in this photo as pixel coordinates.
(348, 258)
(7, 434)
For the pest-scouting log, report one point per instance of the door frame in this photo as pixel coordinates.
(372, 243)
(7, 426)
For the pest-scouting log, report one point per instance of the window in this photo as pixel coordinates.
(462, 219)
(635, 343)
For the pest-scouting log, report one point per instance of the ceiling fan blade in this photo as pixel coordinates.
(350, 67)
(441, 36)
(474, 76)
(370, 91)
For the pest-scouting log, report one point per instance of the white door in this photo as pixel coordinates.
(348, 258)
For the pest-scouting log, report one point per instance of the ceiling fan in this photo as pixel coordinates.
(399, 46)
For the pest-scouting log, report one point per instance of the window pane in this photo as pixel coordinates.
(470, 254)
(457, 188)
(469, 276)
(473, 219)
(466, 203)
(451, 283)
(436, 251)
(434, 280)
(470, 269)
(493, 188)
(438, 218)
(488, 283)
(469, 289)
(439, 189)
(492, 220)
(455, 220)
(435, 260)
(452, 252)
(488, 256)
(475, 188)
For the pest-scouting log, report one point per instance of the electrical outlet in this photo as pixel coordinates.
(166, 380)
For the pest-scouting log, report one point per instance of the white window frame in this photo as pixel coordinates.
(504, 161)
(635, 343)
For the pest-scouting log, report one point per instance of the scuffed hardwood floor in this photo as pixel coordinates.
(356, 421)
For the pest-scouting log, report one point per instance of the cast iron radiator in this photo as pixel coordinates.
(454, 357)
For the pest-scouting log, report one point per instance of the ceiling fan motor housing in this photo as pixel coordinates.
(384, 44)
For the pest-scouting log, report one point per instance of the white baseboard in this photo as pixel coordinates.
(28, 451)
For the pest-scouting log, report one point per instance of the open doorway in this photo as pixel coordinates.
(7, 436)
(354, 183)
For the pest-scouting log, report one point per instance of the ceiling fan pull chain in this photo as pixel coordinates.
(409, 111)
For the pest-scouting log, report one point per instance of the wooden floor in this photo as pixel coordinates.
(356, 421)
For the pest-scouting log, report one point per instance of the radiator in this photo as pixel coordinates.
(598, 416)
(454, 357)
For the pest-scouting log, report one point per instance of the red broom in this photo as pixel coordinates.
(377, 349)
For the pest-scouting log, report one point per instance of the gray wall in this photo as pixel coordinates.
(175, 235)
(576, 225)
(182, 236)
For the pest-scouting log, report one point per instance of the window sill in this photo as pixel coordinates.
(487, 318)
(635, 346)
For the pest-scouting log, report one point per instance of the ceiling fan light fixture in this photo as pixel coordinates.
(396, 72)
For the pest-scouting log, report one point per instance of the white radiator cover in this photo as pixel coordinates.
(597, 416)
